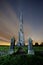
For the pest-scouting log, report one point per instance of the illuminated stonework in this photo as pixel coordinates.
(30, 49)
(21, 34)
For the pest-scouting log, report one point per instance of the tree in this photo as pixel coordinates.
(36, 44)
(41, 44)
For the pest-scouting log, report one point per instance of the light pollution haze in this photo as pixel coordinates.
(32, 20)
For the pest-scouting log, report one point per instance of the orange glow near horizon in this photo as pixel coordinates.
(8, 43)
(4, 43)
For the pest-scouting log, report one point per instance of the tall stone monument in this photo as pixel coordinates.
(21, 33)
(30, 49)
(12, 45)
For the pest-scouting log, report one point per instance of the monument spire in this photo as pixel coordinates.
(21, 34)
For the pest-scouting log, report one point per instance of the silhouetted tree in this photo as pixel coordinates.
(36, 44)
(41, 44)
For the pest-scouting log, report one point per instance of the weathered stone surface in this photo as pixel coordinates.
(11, 50)
(30, 49)
(21, 34)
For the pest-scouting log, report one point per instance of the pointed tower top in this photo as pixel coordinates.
(21, 16)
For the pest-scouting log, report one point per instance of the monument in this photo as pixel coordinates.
(12, 45)
(21, 33)
(30, 49)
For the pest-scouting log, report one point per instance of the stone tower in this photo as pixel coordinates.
(21, 33)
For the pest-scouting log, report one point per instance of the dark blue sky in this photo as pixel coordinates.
(32, 10)
(32, 17)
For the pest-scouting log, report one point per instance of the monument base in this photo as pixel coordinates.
(10, 51)
(19, 44)
(20, 51)
(31, 52)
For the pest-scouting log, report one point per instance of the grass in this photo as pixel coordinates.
(38, 48)
(21, 60)
(36, 59)
(25, 48)
(4, 48)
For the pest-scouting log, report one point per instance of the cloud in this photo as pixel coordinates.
(9, 21)
(4, 39)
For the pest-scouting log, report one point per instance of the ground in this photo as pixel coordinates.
(19, 59)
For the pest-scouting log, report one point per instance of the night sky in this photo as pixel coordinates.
(32, 19)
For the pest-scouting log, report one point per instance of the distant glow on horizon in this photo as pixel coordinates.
(4, 43)
(8, 43)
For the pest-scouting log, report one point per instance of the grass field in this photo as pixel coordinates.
(36, 48)
(21, 60)
(36, 59)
